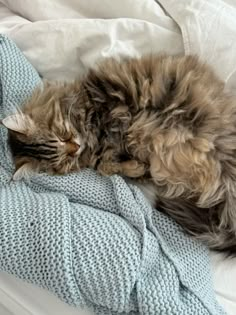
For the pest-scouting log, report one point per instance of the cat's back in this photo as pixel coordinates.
(147, 81)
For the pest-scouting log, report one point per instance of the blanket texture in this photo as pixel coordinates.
(93, 241)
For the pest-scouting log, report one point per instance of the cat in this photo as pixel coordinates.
(164, 122)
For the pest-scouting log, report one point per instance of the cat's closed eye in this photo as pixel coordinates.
(65, 137)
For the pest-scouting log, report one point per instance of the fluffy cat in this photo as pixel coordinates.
(164, 121)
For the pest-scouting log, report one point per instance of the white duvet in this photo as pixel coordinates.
(62, 38)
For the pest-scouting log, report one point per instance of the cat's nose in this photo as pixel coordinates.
(72, 148)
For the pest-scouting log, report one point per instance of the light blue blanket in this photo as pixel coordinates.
(93, 240)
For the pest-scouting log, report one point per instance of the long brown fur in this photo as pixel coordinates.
(164, 121)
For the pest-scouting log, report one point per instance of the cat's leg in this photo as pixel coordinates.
(130, 168)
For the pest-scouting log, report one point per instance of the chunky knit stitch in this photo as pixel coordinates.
(93, 241)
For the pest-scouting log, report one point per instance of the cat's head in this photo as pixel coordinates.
(42, 139)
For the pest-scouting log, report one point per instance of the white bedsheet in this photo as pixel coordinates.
(224, 276)
(20, 298)
(62, 38)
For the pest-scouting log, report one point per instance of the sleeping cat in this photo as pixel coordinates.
(163, 121)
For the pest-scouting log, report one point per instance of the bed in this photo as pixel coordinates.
(63, 38)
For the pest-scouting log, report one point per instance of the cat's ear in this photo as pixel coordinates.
(18, 123)
(23, 172)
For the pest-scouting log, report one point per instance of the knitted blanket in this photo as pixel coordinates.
(94, 241)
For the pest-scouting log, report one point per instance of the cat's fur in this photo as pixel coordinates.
(164, 121)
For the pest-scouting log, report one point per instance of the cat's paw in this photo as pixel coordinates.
(133, 169)
(109, 168)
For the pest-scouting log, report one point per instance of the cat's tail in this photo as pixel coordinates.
(222, 241)
(202, 224)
